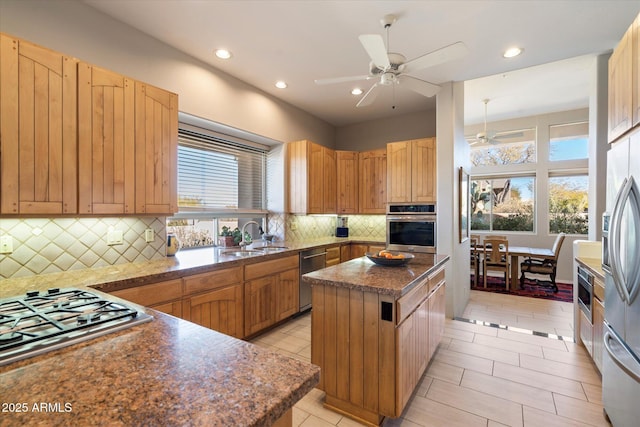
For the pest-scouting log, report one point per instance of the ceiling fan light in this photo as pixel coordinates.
(281, 84)
(356, 91)
(512, 52)
(223, 53)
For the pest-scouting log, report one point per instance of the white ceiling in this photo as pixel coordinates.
(302, 40)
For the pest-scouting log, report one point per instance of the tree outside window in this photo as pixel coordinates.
(505, 204)
(568, 204)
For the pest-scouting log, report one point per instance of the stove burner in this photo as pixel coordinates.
(39, 322)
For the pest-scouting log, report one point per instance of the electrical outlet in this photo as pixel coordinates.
(6, 245)
(294, 226)
(114, 237)
(149, 236)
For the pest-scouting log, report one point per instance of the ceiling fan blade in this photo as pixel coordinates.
(333, 80)
(374, 45)
(368, 97)
(440, 56)
(420, 86)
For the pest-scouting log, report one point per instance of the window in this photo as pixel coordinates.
(502, 203)
(569, 141)
(568, 204)
(220, 183)
(505, 148)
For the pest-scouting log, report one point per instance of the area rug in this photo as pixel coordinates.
(496, 284)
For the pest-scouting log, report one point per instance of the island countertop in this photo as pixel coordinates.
(167, 372)
(362, 274)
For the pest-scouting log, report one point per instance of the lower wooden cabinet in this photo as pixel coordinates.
(586, 332)
(436, 318)
(333, 256)
(219, 309)
(271, 292)
(598, 332)
(162, 296)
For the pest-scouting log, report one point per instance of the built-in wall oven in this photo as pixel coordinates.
(412, 227)
(585, 292)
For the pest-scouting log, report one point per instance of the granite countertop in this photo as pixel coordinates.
(363, 274)
(594, 265)
(186, 262)
(167, 372)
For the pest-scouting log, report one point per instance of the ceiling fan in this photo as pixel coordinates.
(393, 68)
(492, 136)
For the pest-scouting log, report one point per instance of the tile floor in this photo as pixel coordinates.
(480, 375)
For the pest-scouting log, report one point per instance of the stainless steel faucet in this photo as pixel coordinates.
(244, 243)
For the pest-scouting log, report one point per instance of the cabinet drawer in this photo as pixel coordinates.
(333, 256)
(213, 280)
(409, 302)
(260, 269)
(436, 279)
(152, 294)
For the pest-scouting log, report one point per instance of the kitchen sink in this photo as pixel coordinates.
(245, 253)
(268, 249)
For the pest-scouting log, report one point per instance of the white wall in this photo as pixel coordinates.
(75, 29)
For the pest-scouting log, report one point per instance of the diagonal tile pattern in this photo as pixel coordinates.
(480, 375)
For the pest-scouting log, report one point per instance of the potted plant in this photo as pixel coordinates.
(226, 237)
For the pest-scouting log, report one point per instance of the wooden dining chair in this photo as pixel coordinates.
(496, 257)
(545, 266)
(474, 257)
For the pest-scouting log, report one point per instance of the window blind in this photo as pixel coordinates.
(215, 174)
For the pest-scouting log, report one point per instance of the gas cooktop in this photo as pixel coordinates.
(39, 322)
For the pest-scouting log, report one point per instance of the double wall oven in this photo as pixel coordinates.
(412, 227)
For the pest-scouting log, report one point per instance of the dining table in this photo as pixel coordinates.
(515, 252)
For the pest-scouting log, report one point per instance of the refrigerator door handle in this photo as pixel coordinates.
(633, 276)
(614, 243)
(619, 354)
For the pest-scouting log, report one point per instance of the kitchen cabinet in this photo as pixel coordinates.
(411, 171)
(38, 106)
(333, 256)
(311, 178)
(598, 332)
(347, 182)
(357, 250)
(436, 318)
(215, 300)
(345, 253)
(586, 332)
(106, 141)
(635, 87)
(156, 155)
(271, 292)
(621, 86)
(372, 183)
(163, 296)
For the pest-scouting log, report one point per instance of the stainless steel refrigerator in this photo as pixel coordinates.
(621, 264)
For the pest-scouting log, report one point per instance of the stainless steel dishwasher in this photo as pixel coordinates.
(310, 260)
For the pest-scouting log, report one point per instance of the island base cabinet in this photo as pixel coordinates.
(370, 365)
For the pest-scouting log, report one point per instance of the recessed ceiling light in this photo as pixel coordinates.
(356, 91)
(512, 51)
(281, 85)
(223, 53)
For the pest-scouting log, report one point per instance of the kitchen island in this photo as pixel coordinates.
(373, 331)
(166, 372)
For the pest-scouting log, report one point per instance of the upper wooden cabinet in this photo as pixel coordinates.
(411, 171)
(636, 71)
(156, 167)
(311, 178)
(372, 167)
(347, 175)
(620, 87)
(106, 141)
(38, 92)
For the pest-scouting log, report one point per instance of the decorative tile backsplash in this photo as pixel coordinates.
(50, 245)
(299, 228)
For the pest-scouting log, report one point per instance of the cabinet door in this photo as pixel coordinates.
(586, 332)
(333, 256)
(156, 150)
(406, 374)
(345, 253)
(260, 303)
(315, 179)
(287, 294)
(330, 185)
(153, 294)
(636, 71)
(220, 309)
(598, 332)
(358, 250)
(173, 308)
(106, 141)
(347, 175)
(436, 318)
(423, 170)
(373, 181)
(399, 172)
(620, 84)
(38, 108)
(422, 338)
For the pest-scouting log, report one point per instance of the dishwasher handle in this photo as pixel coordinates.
(314, 255)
